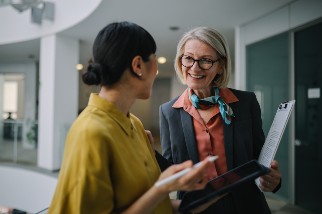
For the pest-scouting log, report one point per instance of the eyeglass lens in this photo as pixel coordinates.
(203, 63)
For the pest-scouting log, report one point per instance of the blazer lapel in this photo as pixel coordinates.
(188, 131)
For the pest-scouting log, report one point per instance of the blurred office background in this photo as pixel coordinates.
(276, 46)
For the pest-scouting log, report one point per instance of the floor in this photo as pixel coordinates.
(282, 207)
(276, 206)
(22, 156)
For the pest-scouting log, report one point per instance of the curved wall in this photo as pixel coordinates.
(17, 27)
(26, 190)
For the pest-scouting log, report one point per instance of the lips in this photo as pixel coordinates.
(196, 76)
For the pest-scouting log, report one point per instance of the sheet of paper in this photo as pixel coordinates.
(275, 134)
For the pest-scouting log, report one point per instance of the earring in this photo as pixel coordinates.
(140, 74)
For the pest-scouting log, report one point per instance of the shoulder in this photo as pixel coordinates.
(247, 102)
(169, 104)
(91, 120)
(244, 97)
(136, 120)
(242, 94)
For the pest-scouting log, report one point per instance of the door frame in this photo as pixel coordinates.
(291, 144)
(292, 85)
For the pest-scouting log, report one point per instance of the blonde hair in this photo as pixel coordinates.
(214, 39)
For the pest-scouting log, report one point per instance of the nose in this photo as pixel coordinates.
(195, 66)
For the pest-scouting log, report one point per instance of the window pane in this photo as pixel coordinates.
(10, 94)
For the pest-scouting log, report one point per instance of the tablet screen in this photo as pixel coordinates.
(223, 184)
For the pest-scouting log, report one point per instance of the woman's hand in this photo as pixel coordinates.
(271, 180)
(195, 179)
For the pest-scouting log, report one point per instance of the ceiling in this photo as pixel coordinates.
(157, 17)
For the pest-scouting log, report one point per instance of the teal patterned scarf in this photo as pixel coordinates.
(225, 110)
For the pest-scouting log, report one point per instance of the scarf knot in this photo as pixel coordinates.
(205, 103)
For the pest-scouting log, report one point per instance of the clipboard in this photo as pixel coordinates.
(222, 184)
(275, 134)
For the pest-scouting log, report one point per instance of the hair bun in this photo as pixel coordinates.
(93, 74)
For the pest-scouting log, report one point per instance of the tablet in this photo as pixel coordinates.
(222, 184)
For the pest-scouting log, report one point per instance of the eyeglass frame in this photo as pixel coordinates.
(198, 60)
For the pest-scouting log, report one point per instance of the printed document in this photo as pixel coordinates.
(275, 134)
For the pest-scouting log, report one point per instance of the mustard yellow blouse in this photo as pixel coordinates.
(108, 163)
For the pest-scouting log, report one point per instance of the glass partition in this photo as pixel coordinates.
(18, 142)
(267, 68)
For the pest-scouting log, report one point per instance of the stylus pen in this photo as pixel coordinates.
(182, 172)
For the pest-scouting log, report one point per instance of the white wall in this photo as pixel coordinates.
(58, 97)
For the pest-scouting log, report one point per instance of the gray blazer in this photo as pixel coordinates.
(243, 138)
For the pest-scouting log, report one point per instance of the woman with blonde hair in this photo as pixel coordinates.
(210, 119)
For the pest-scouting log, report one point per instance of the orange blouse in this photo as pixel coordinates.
(210, 136)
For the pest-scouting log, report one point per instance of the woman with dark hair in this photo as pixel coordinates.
(109, 165)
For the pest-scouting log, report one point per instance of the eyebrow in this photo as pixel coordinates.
(203, 56)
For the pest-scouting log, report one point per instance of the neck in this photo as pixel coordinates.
(118, 96)
(203, 93)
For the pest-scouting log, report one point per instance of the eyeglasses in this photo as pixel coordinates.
(204, 63)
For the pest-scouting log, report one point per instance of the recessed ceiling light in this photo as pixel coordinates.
(162, 60)
(174, 28)
(79, 67)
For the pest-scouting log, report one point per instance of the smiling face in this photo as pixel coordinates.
(199, 80)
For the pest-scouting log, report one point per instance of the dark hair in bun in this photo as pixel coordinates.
(93, 74)
(113, 51)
